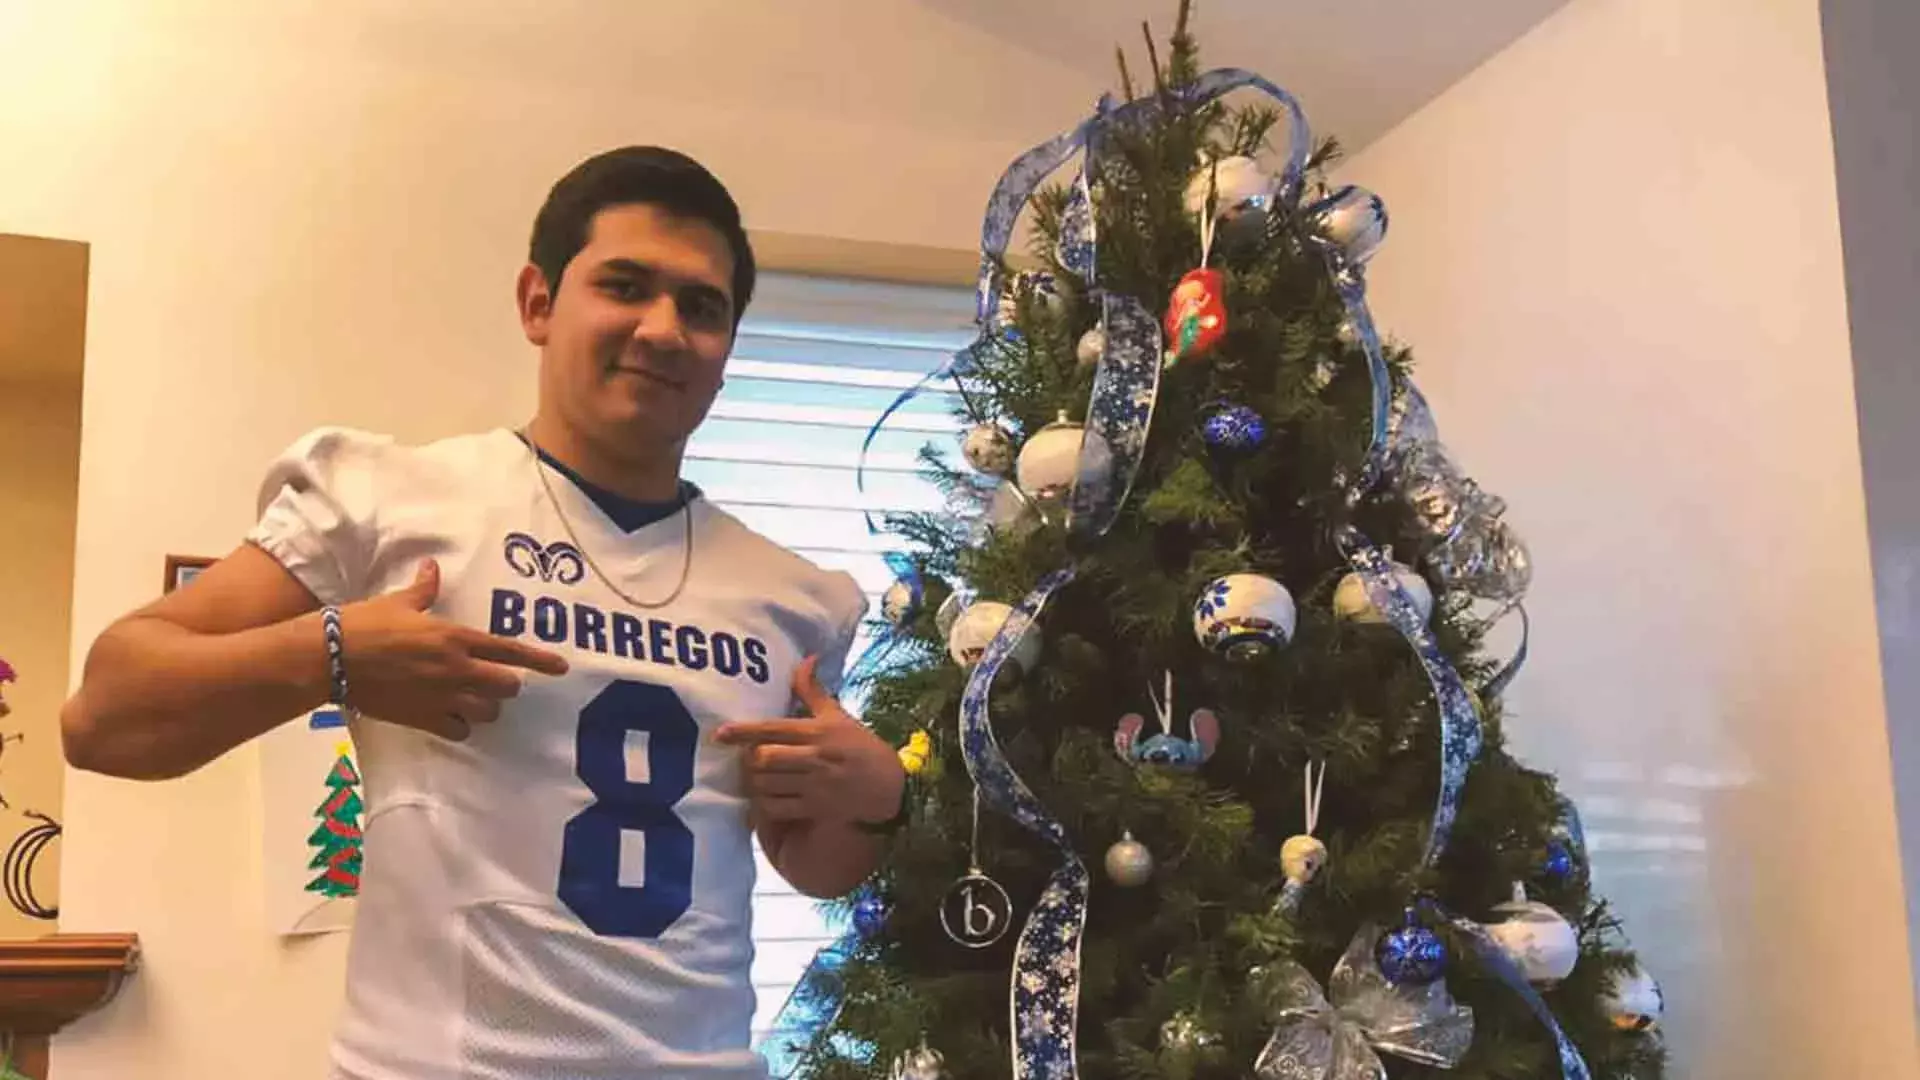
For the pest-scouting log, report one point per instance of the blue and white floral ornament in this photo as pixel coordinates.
(1244, 617)
(1236, 429)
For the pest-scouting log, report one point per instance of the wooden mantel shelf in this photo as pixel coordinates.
(47, 983)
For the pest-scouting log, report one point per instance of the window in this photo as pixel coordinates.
(815, 363)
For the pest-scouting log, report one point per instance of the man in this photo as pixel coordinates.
(554, 651)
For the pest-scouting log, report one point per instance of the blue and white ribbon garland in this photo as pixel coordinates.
(1572, 1065)
(1045, 1002)
(1459, 715)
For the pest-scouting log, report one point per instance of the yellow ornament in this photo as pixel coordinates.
(917, 753)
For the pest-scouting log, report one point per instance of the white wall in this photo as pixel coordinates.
(1616, 249)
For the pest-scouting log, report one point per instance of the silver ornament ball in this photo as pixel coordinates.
(1092, 347)
(1129, 863)
(988, 448)
(921, 1063)
(1183, 1032)
(900, 603)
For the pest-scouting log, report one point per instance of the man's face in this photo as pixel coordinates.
(634, 343)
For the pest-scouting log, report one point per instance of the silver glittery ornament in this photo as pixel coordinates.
(1183, 1032)
(1091, 348)
(1129, 863)
(988, 448)
(920, 1063)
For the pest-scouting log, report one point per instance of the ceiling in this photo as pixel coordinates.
(1358, 66)
(43, 309)
(993, 71)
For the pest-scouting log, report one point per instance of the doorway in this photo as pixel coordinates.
(43, 299)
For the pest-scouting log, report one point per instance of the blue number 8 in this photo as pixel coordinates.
(590, 849)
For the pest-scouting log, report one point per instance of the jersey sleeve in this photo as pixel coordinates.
(848, 607)
(318, 507)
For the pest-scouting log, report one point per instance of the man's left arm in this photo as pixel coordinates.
(818, 786)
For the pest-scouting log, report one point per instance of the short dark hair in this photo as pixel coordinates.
(630, 175)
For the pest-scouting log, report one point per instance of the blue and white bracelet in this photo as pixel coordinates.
(336, 656)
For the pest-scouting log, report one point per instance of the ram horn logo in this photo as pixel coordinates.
(558, 561)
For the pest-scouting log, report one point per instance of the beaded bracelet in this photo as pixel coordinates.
(336, 658)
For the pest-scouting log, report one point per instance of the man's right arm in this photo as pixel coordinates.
(240, 649)
(174, 685)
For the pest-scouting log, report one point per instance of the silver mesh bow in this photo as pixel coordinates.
(1315, 1039)
(1475, 551)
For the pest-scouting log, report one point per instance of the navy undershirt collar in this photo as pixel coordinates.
(628, 514)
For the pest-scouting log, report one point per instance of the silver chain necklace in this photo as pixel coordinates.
(686, 560)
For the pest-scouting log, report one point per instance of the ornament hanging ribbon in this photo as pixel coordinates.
(1572, 1065)
(1045, 998)
(1340, 1035)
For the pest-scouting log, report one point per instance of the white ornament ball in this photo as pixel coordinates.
(976, 628)
(1092, 347)
(1542, 944)
(1633, 1000)
(1353, 222)
(1243, 194)
(1049, 463)
(988, 448)
(1129, 863)
(899, 603)
(1352, 602)
(1301, 858)
(1244, 616)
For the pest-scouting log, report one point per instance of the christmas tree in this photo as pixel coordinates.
(336, 840)
(1194, 678)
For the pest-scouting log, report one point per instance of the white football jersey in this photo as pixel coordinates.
(567, 893)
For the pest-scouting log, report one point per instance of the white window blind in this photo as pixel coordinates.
(815, 363)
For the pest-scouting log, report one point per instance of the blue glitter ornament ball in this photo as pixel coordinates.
(1234, 428)
(1558, 867)
(1412, 955)
(868, 915)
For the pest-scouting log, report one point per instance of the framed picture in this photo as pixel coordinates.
(182, 569)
